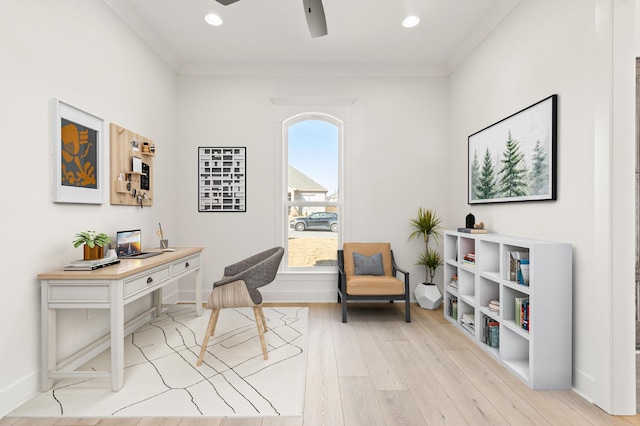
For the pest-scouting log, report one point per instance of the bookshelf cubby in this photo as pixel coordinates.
(540, 355)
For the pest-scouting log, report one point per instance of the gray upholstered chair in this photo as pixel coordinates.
(238, 288)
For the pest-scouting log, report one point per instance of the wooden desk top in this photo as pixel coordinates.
(125, 268)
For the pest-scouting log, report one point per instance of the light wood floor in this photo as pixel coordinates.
(379, 370)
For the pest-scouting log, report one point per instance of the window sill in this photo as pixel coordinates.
(305, 272)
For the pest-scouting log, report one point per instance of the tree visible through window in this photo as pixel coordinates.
(313, 201)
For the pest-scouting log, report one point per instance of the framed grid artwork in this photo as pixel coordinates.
(222, 179)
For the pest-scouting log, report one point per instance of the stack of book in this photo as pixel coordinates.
(468, 322)
(90, 265)
(453, 284)
(469, 259)
(494, 305)
(472, 230)
(521, 316)
(491, 332)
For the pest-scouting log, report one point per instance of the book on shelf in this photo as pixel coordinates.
(468, 322)
(491, 330)
(522, 273)
(515, 259)
(90, 265)
(494, 305)
(453, 308)
(494, 335)
(472, 230)
(521, 314)
(469, 327)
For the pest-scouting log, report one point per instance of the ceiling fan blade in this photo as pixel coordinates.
(316, 21)
(226, 2)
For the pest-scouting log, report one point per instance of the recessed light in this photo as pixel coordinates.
(213, 19)
(410, 21)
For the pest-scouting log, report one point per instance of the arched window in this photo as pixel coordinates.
(312, 157)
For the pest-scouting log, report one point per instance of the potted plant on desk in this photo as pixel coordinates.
(93, 244)
(427, 226)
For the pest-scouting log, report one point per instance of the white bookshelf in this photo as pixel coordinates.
(540, 356)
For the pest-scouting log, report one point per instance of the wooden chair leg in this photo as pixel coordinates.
(264, 321)
(211, 327)
(257, 314)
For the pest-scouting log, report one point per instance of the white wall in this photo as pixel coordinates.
(406, 148)
(394, 145)
(80, 52)
(546, 47)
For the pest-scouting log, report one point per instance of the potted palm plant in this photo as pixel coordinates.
(93, 244)
(427, 226)
(432, 260)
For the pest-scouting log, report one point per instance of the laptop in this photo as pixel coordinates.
(129, 245)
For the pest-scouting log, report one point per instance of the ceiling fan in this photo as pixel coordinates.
(313, 10)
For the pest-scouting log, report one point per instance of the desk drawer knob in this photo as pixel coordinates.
(186, 265)
(149, 280)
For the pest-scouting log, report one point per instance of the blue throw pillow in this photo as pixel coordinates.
(368, 265)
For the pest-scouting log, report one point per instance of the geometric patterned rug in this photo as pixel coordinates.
(161, 378)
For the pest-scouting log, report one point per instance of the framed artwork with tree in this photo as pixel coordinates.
(515, 158)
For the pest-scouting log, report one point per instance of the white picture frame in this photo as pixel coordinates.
(79, 155)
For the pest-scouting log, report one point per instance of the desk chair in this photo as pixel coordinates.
(239, 288)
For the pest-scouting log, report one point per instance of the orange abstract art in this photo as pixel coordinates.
(79, 155)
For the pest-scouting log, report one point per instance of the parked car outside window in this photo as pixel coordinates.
(316, 221)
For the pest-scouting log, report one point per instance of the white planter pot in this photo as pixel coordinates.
(428, 296)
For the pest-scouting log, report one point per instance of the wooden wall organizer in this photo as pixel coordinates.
(131, 168)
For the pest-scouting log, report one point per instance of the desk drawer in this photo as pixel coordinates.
(185, 265)
(75, 292)
(142, 282)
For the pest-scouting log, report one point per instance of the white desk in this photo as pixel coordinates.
(109, 288)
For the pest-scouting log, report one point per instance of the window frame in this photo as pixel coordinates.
(286, 204)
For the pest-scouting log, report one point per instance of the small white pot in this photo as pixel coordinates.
(428, 296)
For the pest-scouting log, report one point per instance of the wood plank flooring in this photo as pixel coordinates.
(379, 370)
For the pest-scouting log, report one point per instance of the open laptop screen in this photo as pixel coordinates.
(128, 242)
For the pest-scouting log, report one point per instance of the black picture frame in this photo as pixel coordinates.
(515, 159)
(222, 177)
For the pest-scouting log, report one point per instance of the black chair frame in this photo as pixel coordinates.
(343, 297)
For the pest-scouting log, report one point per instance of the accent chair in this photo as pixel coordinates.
(368, 271)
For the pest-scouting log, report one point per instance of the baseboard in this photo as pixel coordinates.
(16, 394)
(302, 296)
(584, 385)
(288, 287)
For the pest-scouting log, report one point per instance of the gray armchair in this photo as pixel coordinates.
(238, 288)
